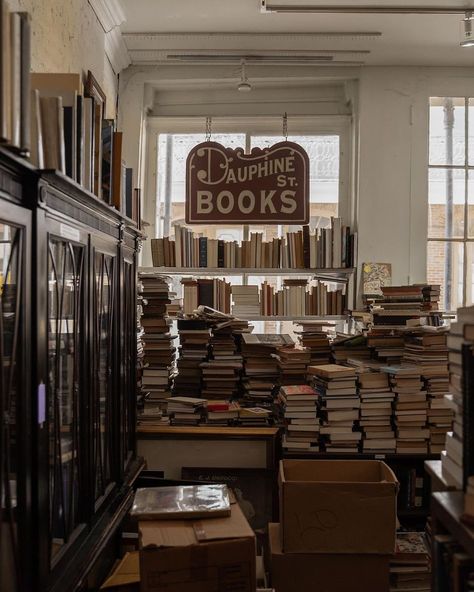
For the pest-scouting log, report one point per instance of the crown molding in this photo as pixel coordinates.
(116, 50)
(109, 12)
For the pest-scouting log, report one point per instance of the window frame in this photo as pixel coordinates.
(340, 125)
(466, 168)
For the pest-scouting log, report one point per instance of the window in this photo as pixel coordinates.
(450, 256)
(326, 146)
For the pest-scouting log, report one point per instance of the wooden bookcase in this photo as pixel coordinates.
(68, 348)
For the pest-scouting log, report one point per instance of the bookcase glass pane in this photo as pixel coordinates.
(65, 310)
(447, 131)
(445, 262)
(104, 298)
(10, 348)
(470, 120)
(446, 196)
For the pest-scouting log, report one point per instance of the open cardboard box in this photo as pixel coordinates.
(338, 506)
(198, 555)
(296, 572)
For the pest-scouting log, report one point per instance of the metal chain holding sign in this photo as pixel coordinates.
(285, 126)
(208, 128)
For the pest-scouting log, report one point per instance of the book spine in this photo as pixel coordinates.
(202, 251)
(220, 253)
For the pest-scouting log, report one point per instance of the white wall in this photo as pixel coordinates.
(393, 160)
(67, 37)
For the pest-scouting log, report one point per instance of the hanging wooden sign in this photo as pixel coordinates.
(227, 186)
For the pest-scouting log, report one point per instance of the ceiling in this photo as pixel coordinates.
(156, 29)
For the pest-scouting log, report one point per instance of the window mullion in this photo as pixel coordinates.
(466, 197)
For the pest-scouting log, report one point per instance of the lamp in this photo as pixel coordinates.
(467, 37)
(244, 85)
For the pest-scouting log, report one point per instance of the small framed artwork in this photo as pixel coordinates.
(253, 489)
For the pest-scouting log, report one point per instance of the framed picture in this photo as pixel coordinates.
(93, 90)
(374, 277)
(253, 489)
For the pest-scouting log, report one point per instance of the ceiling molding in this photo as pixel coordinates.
(117, 51)
(355, 8)
(109, 12)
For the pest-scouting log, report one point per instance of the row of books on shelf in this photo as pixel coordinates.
(297, 298)
(324, 248)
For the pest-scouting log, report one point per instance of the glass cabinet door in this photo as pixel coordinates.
(66, 376)
(103, 356)
(11, 297)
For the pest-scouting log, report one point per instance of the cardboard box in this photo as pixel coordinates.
(207, 555)
(125, 577)
(296, 572)
(338, 506)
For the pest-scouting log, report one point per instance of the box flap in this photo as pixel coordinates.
(336, 471)
(182, 533)
(126, 572)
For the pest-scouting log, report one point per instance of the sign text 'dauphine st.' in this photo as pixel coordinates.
(227, 186)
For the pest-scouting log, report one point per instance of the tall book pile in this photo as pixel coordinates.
(461, 337)
(292, 364)
(222, 371)
(339, 406)
(246, 301)
(261, 375)
(300, 415)
(410, 409)
(159, 349)
(316, 336)
(298, 298)
(15, 57)
(140, 349)
(214, 293)
(410, 566)
(376, 400)
(305, 249)
(429, 352)
(194, 337)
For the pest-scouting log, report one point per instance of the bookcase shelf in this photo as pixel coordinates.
(365, 455)
(342, 274)
(295, 319)
(447, 508)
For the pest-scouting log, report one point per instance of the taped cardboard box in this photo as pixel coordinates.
(295, 572)
(125, 577)
(338, 506)
(214, 554)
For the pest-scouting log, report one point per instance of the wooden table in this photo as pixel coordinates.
(169, 448)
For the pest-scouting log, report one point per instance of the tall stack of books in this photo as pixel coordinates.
(194, 337)
(410, 566)
(315, 336)
(159, 349)
(292, 364)
(325, 248)
(214, 293)
(299, 410)
(140, 349)
(261, 375)
(461, 335)
(246, 301)
(186, 410)
(221, 373)
(410, 409)
(339, 406)
(429, 352)
(376, 400)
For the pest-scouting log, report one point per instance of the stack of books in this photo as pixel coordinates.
(159, 350)
(316, 336)
(194, 337)
(325, 248)
(429, 352)
(345, 347)
(386, 343)
(246, 301)
(376, 400)
(410, 566)
(261, 375)
(214, 293)
(255, 416)
(410, 409)
(186, 410)
(222, 412)
(299, 411)
(461, 335)
(339, 406)
(292, 364)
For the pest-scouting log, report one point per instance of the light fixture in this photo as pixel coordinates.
(244, 84)
(467, 39)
